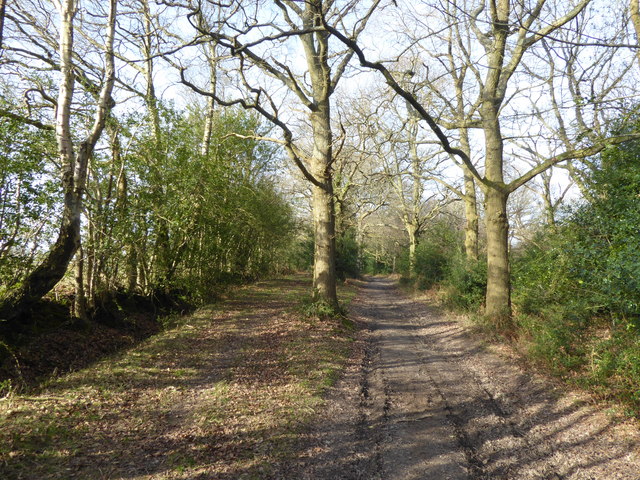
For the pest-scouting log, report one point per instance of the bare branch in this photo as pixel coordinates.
(570, 155)
(29, 121)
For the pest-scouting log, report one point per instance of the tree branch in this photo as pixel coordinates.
(36, 123)
(288, 136)
(411, 99)
(570, 155)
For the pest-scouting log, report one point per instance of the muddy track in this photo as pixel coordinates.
(426, 400)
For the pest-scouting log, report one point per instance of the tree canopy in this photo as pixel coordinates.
(168, 146)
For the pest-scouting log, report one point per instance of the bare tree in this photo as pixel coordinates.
(451, 95)
(504, 33)
(271, 44)
(411, 166)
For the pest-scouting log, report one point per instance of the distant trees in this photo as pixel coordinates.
(161, 196)
(500, 43)
(408, 163)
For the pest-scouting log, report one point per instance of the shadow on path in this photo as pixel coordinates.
(430, 402)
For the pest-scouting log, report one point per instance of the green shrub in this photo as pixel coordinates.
(430, 264)
(300, 254)
(347, 256)
(372, 265)
(576, 287)
(465, 283)
(438, 247)
(614, 367)
(557, 339)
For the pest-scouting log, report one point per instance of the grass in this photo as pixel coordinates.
(224, 394)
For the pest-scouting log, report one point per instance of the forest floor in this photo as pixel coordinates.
(252, 388)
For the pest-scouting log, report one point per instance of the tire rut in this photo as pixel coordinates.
(433, 403)
(506, 423)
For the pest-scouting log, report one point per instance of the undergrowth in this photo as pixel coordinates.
(575, 304)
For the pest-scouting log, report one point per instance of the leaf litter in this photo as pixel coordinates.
(225, 395)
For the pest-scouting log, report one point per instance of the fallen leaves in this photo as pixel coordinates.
(223, 396)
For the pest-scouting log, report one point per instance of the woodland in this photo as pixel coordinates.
(155, 154)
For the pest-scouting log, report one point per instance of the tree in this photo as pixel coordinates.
(258, 42)
(513, 31)
(73, 158)
(407, 168)
(3, 7)
(634, 10)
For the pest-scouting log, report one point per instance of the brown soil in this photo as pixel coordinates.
(222, 396)
(427, 400)
(51, 342)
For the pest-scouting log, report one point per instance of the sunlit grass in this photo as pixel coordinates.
(224, 395)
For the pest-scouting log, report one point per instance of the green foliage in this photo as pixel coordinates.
(431, 263)
(6, 388)
(556, 339)
(348, 261)
(465, 283)
(300, 253)
(614, 365)
(188, 221)
(375, 265)
(591, 261)
(28, 194)
(577, 286)
(347, 256)
(438, 259)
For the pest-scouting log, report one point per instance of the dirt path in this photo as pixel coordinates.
(425, 400)
(230, 393)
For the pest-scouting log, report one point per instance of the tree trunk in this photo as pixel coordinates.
(132, 269)
(3, 4)
(634, 12)
(416, 197)
(470, 203)
(316, 48)
(549, 208)
(471, 217)
(49, 272)
(324, 268)
(412, 231)
(80, 302)
(162, 243)
(92, 270)
(211, 54)
(74, 168)
(498, 300)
